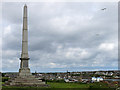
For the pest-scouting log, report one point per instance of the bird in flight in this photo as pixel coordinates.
(97, 34)
(103, 9)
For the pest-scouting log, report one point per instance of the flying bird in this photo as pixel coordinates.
(103, 9)
(97, 34)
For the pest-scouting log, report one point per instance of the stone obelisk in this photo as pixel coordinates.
(24, 66)
(25, 77)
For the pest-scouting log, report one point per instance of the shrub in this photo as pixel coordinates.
(4, 79)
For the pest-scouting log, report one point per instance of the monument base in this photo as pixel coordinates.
(25, 78)
(24, 72)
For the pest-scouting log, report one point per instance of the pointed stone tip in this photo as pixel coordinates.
(25, 5)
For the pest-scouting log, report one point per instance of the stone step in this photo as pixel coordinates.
(25, 80)
(28, 84)
(30, 76)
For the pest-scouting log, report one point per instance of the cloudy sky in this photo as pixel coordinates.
(74, 36)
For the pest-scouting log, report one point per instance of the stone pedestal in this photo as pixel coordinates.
(24, 72)
(26, 81)
(25, 78)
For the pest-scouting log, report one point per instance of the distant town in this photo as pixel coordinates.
(111, 77)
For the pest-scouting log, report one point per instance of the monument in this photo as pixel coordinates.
(25, 77)
(24, 68)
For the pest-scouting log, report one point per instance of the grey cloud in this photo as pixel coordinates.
(70, 25)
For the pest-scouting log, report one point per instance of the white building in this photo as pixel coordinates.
(98, 79)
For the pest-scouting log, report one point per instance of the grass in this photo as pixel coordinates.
(77, 85)
(67, 85)
(64, 85)
(3, 82)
